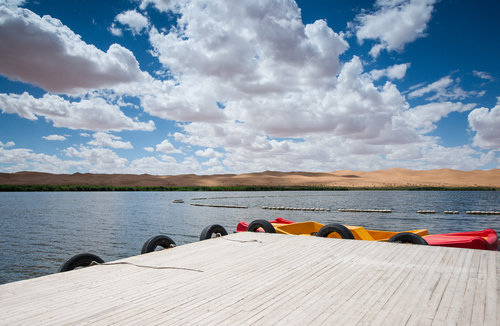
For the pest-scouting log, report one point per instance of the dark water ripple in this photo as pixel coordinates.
(40, 231)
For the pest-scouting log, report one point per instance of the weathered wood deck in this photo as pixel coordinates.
(270, 279)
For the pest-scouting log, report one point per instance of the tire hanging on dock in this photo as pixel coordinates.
(210, 230)
(80, 260)
(265, 225)
(159, 240)
(408, 237)
(326, 230)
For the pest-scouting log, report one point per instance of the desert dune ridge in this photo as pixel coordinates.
(391, 178)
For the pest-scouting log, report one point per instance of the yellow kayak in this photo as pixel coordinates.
(333, 230)
(340, 231)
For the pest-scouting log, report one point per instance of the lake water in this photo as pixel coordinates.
(39, 231)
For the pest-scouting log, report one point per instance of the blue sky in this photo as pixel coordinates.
(173, 87)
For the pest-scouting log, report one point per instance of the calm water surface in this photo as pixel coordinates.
(40, 231)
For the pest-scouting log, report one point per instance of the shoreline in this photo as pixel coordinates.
(90, 188)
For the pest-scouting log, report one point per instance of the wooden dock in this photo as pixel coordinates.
(269, 279)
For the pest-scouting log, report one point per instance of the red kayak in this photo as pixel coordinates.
(485, 240)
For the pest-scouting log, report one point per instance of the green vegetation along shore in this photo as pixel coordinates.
(14, 188)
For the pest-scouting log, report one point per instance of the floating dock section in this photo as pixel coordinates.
(218, 205)
(305, 209)
(364, 210)
(269, 279)
(483, 212)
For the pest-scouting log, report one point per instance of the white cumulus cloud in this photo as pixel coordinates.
(226, 51)
(446, 88)
(424, 117)
(355, 108)
(7, 144)
(24, 159)
(133, 20)
(239, 43)
(166, 165)
(438, 87)
(115, 30)
(55, 137)
(393, 72)
(394, 23)
(93, 113)
(209, 152)
(483, 75)
(166, 147)
(12, 3)
(97, 160)
(102, 139)
(486, 124)
(45, 52)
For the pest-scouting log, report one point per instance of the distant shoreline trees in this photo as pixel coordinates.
(32, 188)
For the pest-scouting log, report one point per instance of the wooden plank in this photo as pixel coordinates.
(465, 310)
(313, 300)
(339, 294)
(297, 288)
(491, 283)
(437, 290)
(215, 294)
(398, 302)
(251, 284)
(458, 295)
(259, 286)
(478, 308)
(396, 291)
(264, 279)
(497, 307)
(447, 300)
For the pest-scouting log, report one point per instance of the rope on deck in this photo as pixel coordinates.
(146, 266)
(242, 241)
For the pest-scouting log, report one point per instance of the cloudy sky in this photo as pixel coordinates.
(224, 86)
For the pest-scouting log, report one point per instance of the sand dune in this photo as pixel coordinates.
(345, 178)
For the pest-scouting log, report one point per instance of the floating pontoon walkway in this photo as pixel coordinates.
(269, 279)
